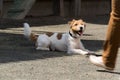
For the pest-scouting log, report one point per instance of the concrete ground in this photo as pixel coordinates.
(20, 61)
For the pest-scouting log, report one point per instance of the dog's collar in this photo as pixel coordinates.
(72, 35)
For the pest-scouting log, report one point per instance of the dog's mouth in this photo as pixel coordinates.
(80, 32)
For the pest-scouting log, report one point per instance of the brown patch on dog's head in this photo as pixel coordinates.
(49, 34)
(71, 22)
(59, 36)
(77, 26)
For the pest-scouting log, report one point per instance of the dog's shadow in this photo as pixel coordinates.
(93, 45)
(106, 71)
(15, 47)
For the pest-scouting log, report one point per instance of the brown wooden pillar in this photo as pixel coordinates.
(62, 8)
(58, 7)
(75, 8)
(1, 7)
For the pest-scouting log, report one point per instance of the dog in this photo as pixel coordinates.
(69, 41)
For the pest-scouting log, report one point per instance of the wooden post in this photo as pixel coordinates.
(1, 7)
(56, 7)
(62, 8)
(110, 2)
(77, 8)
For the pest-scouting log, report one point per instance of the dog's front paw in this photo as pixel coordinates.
(85, 53)
(88, 52)
(91, 52)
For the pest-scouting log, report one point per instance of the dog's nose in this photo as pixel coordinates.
(81, 28)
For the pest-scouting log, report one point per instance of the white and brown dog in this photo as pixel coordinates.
(69, 41)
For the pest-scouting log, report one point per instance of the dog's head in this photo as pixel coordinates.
(77, 27)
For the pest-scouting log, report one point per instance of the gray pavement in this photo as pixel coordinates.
(20, 61)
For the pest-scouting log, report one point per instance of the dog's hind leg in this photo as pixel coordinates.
(42, 43)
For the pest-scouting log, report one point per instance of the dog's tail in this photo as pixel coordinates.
(28, 34)
(27, 30)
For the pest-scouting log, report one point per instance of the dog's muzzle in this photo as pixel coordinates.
(80, 32)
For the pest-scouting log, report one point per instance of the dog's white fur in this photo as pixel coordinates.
(69, 42)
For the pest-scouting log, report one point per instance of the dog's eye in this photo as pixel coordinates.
(76, 24)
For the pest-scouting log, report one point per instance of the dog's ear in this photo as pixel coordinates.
(71, 22)
(82, 21)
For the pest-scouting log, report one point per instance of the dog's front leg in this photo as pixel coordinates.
(77, 51)
(83, 48)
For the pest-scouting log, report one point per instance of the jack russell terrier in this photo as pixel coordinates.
(69, 42)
